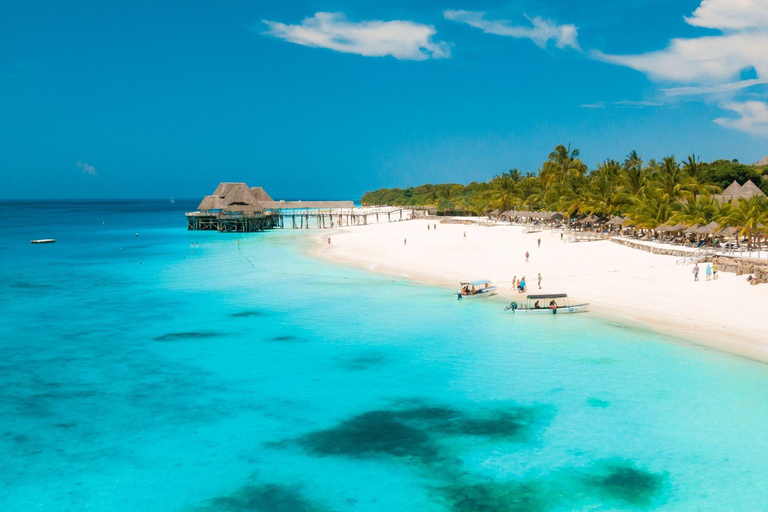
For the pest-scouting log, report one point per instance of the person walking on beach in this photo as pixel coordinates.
(428, 226)
(329, 240)
(514, 282)
(527, 256)
(696, 272)
(539, 243)
(434, 227)
(465, 235)
(708, 271)
(405, 241)
(539, 280)
(714, 270)
(522, 285)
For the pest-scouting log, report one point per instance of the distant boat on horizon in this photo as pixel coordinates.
(44, 241)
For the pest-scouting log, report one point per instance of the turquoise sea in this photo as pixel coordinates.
(201, 372)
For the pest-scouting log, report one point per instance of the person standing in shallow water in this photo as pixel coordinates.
(696, 272)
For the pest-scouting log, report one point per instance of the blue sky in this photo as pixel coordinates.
(328, 99)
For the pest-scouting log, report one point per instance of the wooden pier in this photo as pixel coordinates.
(236, 208)
(308, 219)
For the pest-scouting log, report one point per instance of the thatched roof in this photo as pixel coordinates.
(590, 219)
(710, 228)
(226, 187)
(749, 190)
(260, 194)
(693, 230)
(616, 221)
(209, 203)
(763, 162)
(728, 231)
(240, 199)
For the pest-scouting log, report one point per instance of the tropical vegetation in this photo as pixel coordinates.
(648, 194)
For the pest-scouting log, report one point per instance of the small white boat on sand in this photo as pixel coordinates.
(546, 304)
(44, 241)
(476, 289)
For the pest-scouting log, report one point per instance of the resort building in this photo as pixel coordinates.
(734, 192)
(235, 207)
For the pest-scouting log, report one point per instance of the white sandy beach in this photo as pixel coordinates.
(620, 282)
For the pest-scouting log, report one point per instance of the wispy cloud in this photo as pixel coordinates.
(714, 89)
(541, 30)
(712, 65)
(752, 117)
(404, 40)
(87, 168)
(622, 103)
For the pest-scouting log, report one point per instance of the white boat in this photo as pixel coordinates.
(546, 304)
(476, 289)
(44, 241)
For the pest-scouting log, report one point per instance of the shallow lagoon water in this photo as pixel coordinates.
(140, 373)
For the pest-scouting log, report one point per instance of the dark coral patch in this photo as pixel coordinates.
(263, 498)
(508, 424)
(287, 338)
(191, 335)
(370, 434)
(494, 497)
(624, 482)
(248, 314)
(367, 362)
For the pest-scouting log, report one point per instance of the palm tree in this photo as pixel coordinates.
(703, 210)
(694, 167)
(563, 164)
(749, 216)
(650, 209)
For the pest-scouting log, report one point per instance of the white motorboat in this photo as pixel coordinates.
(476, 289)
(546, 304)
(44, 241)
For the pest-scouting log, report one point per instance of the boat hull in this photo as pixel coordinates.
(44, 241)
(485, 292)
(562, 310)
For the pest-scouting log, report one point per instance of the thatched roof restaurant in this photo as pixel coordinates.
(235, 207)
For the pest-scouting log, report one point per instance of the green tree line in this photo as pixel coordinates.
(650, 193)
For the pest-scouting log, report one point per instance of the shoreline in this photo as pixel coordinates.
(617, 281)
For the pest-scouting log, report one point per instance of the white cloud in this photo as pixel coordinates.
(541, 32)
(87, 168)
(753, 117)
(714, 89)
(712, 65)
(709, 59)
(404, 40)
(730, 14)
(622, 103)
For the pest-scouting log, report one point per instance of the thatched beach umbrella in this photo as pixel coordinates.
(710, 229)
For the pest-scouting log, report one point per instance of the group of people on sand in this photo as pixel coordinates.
(710, 271)
(520, 285)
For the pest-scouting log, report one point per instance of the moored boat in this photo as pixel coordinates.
(44, 241)
(547, 304)
(476, 289)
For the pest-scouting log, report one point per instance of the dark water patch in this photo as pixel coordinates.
(494, 497)
(421, 433)
(263, 498)
(623, 481)
(248, 314)
(29, 286)
(365, 362)
(371, 434)
(287, 337)
(516, 423)
(597, 402)
(191, 335)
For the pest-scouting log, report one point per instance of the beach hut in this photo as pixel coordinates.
(240, 200)
(209, 204)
